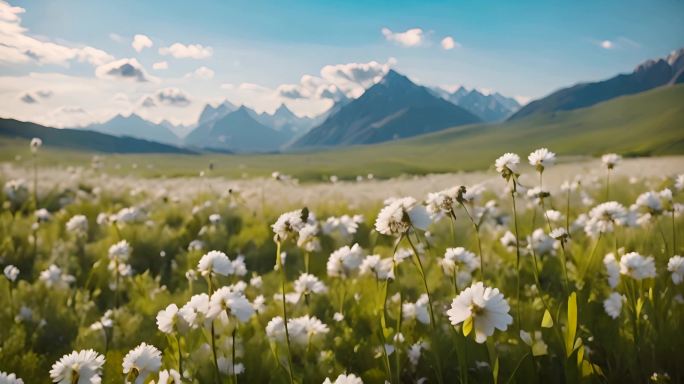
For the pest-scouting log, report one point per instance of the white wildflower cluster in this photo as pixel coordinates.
(303, 330)
(387, 284)
(345, 225)
(401, 215)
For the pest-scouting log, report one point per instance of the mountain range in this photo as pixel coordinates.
(83, 139)
(393, 108)
(237, 131)
(135, 126)
(648, 75)
(493, 107)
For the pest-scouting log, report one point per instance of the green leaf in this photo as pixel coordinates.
(580, 356)
(467, 326)
(495, 371)
(547, 321)
(639, 306)
(571, 329)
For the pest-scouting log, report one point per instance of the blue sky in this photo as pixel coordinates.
(519, 48)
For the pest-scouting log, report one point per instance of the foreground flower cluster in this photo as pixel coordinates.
(513, 281)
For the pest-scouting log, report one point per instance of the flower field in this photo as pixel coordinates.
(516, 281)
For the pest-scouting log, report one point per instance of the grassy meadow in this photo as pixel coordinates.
(369, 288)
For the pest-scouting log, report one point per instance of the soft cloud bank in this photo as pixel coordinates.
(127, 69)
(410, 38)
(448, 43)
(141, 42)
(337, 81)
(192, 51)
(18, 47)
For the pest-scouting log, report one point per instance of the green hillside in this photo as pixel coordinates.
(647, 124)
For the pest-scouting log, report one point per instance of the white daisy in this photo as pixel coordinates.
(458, 260)
(169, 320)
(679, 182)
(541, 158)
(307, 284)
(11, 273)
(231, 302)
(35, 144)
(344, 260)
(485, 306)
(535, 341)
(604, 217)
(344, 379)
(676, 266)
(418, 310)
(443, 202)
(10, 378)
(289, 224)
(42, 215)
(507, 165)
(170, 376)
(637, 266)
(380, 268)
(275, 329)
(194, 312)
(612, 270)
(140, 362)
(613, 304)
(610, 160)
(306, 329)
(78, 224)
(53, 277)
(400, 215)
(82, 367)
(215, 263)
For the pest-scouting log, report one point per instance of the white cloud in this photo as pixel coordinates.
(253, 87)
(410, 38)
(44, 93)
(127, 69)
(18, 47)
(522, 100)
(607, 44)
(28, 98)
(141, 42)
(337, 81)
(160, 65)
(172, 97)
(120, 97)
(448, 43)
(35, 96)
(115, 37)
(203, 73)
(148, 102)
(191, 51)
(70, 116)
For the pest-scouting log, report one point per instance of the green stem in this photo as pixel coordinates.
(517, 252)
(306, 262)
(564, 262)
(476, 227)
(422, 275)
(235, 379)
(662, 235)
(674, 237)
(384, 350)
(281, 266)
(396, 343)
(180, 355)
(213, 337)
(591, 258)
(433, 324)
(517, 367)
